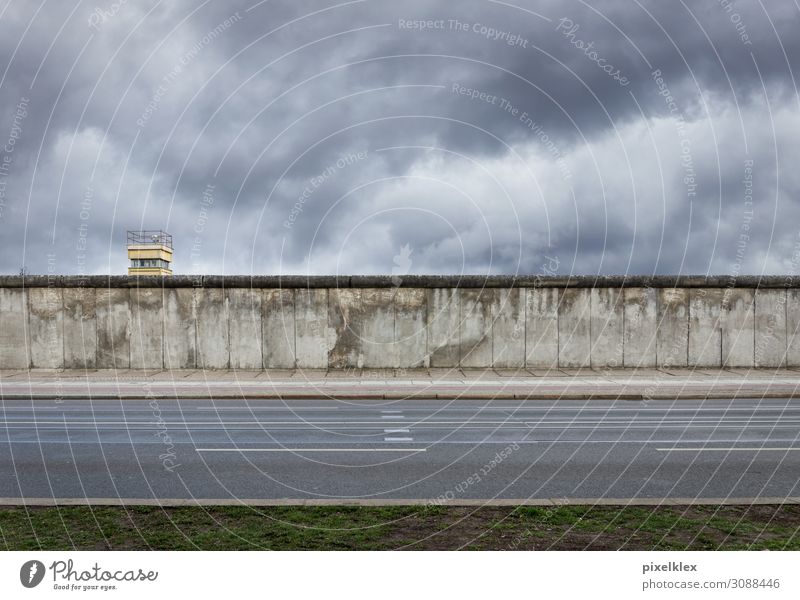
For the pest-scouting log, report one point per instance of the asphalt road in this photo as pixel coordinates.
(425, 450)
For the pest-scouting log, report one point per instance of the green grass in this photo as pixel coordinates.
(383, 528)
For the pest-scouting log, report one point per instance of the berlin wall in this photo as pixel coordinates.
(214, 322)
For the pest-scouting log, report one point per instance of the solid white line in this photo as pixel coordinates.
(541, 406)
(509, 420)
(248, 408)
(403, 430)
(656, 426)
(674, 420)
(402, 439)
(729, 449)
(310, 449)
(6, 443)
(101, 427)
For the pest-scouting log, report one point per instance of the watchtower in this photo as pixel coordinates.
(150, 253)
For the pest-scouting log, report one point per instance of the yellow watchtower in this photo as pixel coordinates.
(150, 253)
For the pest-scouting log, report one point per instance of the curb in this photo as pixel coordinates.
(485, 395)
(554, 502)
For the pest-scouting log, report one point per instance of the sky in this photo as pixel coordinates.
(415, 137)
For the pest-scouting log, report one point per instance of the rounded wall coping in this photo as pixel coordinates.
(407, 281)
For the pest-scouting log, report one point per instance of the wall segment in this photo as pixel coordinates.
(368, 322)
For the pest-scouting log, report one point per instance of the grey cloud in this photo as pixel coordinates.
(170, 103)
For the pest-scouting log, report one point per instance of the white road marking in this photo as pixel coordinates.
(788, 449)
(531, 383)
(400, 439)
(310, 449)
(468, 421)
(541, 406)
(104, 427)
(482, 442)
(248, 408)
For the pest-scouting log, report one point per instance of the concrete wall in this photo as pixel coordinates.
(80, 328)
(541, 328)
(14, 339)
(180, 330)
(640, 326)
(259, 323)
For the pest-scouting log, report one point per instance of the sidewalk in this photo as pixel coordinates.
(348, 384)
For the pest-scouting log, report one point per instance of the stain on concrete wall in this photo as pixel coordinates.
(770, 330)
(508, 329)
(113, 310)
(541, 328)
(311, 326)
(180, 328)
(793, 328)
(213, 345)
(574, 328)
(705, 327)
(639, 335)
(607, 322)
(672, 339)
(475, 327)
(147, 329)
(346, 324)
(244, 326)
(410, 330)
(46, 326)
(278, 329)
(14, 344)
(377, 330)
(443, 319)
(80, 328)
(738, 333)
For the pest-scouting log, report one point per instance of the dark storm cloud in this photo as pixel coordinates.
(481, 137)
